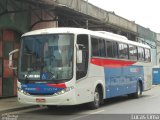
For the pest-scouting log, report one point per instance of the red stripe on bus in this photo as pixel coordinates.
(111, 63)
(60, 85)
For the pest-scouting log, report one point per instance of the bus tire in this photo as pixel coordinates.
(96, 103)
(138, 93)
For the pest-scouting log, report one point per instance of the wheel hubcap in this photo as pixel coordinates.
(139, 91)
(96, 98)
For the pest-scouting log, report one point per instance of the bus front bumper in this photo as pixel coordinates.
(67, 98)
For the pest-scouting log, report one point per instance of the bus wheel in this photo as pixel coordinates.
(139, 90)
(96, 103)
(138, 93)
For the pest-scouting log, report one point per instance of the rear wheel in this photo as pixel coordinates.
(139, 90)
(138, 93)
(96, 103)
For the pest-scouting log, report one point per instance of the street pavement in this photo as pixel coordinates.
(121, 108)
(12, 104)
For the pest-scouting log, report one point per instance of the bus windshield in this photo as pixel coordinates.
(46, 57)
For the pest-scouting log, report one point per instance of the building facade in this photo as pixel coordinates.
(20, 16)
(158, 49)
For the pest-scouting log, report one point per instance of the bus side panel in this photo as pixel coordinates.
(123, 80)
(132, 74)
(112, 77)
(86, 86)
(147, 77)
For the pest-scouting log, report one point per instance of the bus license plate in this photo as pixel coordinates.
(40, 100)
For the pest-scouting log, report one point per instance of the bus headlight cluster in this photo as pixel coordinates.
(64, 91)
(22, 91)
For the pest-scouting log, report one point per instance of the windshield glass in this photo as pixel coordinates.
(46, 57)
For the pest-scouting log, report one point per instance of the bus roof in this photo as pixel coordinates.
(102, 34)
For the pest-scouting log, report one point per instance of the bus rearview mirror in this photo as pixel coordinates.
(11, 63)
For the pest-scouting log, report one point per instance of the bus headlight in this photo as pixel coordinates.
(22, 91)
(19, 89)
(64, 91)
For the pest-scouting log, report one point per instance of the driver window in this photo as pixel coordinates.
(83, 67)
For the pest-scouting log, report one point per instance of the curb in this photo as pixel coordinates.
(153, 86)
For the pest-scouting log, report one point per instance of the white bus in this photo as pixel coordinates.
(70, 66)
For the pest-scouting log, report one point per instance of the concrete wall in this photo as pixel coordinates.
(82, 7)
(146, 33)
(18, 21)
(43, 22)
(153, 52)
(98, 13)
(149, 37)
(121, 22)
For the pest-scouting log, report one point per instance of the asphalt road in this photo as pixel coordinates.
(121, 108)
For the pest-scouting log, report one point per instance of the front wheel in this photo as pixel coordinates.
(96, 103)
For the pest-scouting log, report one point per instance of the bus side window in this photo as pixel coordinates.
(141, 54)
(98, 47)
(132, 52)
(101, 47)
(111, 49)
(82, 68)
(123, 50)
(147, 55)
(95, 48)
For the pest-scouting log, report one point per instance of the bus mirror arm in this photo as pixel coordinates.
(79, 53)
(11, 59)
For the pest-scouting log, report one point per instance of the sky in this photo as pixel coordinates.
(144, 12)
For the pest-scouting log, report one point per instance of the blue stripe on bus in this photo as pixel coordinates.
(120, 81)
(40, 88)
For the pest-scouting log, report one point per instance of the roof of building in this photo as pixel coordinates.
(91, 11)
